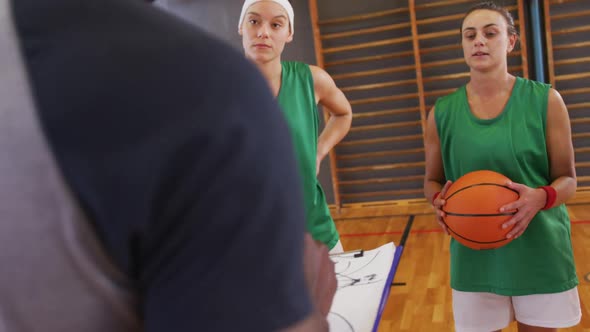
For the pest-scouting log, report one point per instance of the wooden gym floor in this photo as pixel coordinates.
(421, 298)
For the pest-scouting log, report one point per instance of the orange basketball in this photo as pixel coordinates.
(473, 209)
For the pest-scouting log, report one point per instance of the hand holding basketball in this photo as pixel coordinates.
(530, 202)
(472, 213)
(438, 203)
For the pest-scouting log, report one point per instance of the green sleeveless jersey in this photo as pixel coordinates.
(514, 144)
(297, 99)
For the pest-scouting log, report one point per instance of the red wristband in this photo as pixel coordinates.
(551, 197)
(435, 196)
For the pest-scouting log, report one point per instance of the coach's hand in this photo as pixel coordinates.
(320, 274)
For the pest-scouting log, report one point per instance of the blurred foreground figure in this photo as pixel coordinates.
(136, 195)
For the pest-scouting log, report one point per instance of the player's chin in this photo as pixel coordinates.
(482, 66)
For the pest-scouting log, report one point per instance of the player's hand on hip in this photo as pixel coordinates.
(438, 203)
(530, 201)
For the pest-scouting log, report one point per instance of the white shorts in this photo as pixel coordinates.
(485, 312)
(337, 248)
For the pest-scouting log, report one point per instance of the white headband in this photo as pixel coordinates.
(284, 3)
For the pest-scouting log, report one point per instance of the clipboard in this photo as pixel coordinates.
(364, 279)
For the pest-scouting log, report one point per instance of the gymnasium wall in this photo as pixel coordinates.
(393, 59)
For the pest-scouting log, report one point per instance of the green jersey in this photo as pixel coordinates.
(513, 144)
(297, 99)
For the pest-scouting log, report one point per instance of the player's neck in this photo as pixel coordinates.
(272, 71)
(491, 83)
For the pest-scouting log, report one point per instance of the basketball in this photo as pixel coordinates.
(472, 209)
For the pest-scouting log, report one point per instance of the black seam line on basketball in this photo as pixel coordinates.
(479, 214)
(478, 184)
(470, 240)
